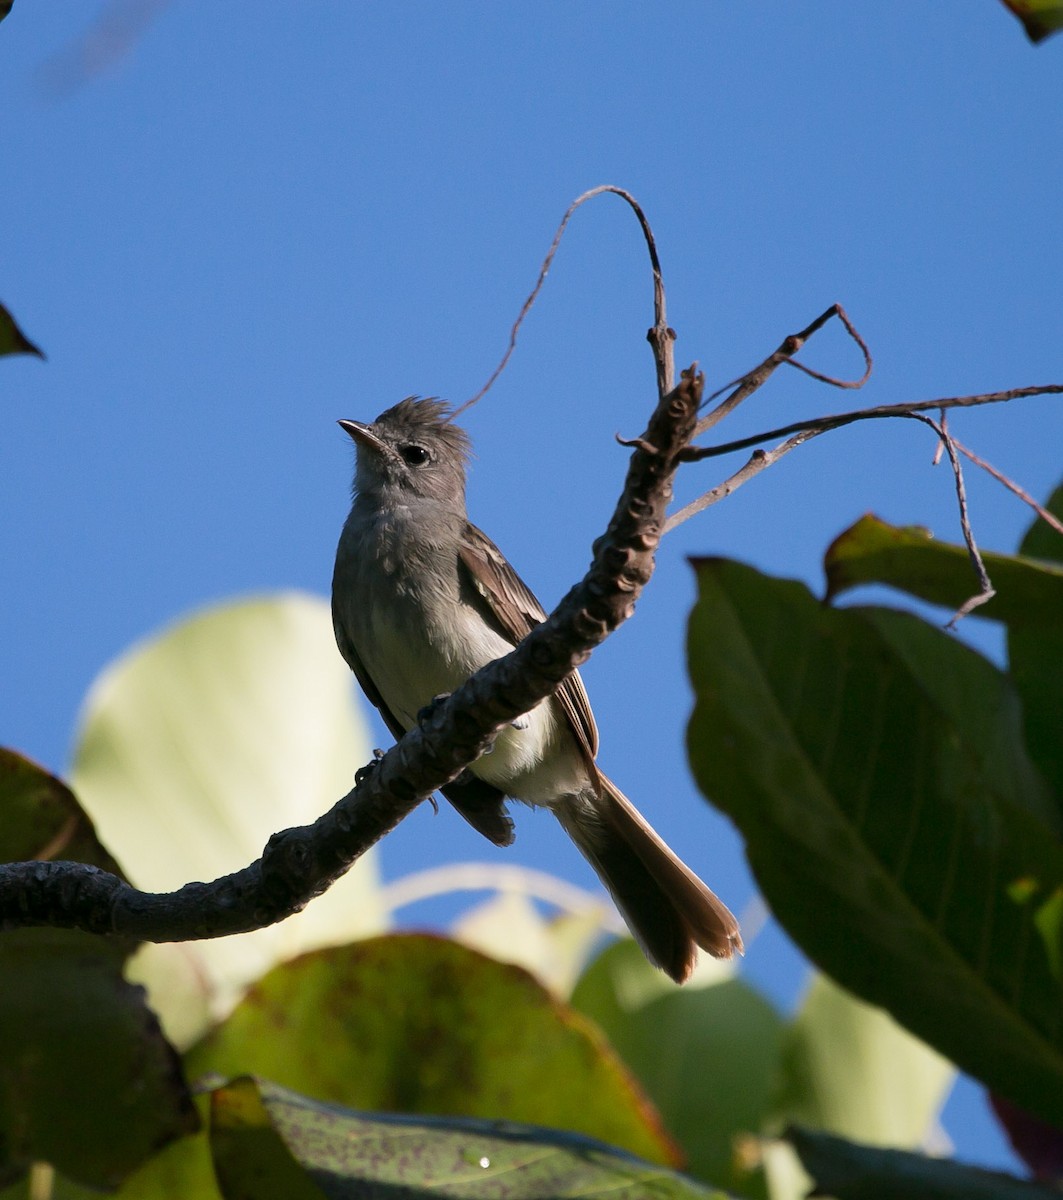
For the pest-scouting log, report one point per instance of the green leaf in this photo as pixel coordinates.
(88, 1082)
(848, 1171)
(251, 1157)
(40, 818)
(875, 767)
(707, 1053)
(12, 339)
(270, 1142)
(850, 1069)
(1034, 658)
(509, 928)
(1029, 600)
(422, 1025)
(198, 745)
(1029, 592)
(1040, 18)
(182, 1171)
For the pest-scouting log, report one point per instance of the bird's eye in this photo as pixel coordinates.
(415, 455)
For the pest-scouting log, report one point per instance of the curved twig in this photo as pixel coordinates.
(660, 337)
(747, 384)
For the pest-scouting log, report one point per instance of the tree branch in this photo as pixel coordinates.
(822, 424)
(784, 355)
(299, 864)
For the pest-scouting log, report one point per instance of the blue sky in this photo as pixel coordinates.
(260, 218)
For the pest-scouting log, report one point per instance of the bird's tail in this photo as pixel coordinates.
(666, 906)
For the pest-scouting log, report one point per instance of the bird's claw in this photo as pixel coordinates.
(363, 773)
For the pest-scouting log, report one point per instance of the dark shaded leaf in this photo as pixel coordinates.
(1035, 657)
(182, 1171)
(849, 1171)
(12, 339)
(270, 1142)
(87, 1080)
(419, 1024)
(1037, 1143)
(40, 818)
(875, 766)
(1040, 18)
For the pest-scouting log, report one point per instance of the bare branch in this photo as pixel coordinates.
(298, 864)
(790, 345)
(1011, 485)
(660, 337)
(986, 590)
(759, 461)
(821, 424)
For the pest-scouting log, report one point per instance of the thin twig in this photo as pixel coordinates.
(660, 337)
(790, 345)
(759, 461)
(819, 424)
(1012, 486)
(986, 590)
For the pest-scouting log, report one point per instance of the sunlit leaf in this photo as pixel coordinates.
(269, 1141)
(422, 1025)
(508, 927)
(707, 1053)
(199, 744)
(851, 1069)
(897, 828)
(1028, 592)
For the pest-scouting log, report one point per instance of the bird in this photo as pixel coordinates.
(421, 600)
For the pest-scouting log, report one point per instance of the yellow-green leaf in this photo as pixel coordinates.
(419, 1024)
(199, 744)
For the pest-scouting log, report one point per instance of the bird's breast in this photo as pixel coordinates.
(419, 635)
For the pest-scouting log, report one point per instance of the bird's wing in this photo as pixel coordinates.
(482, 805)
(514, 611)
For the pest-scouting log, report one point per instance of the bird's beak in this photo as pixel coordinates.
(364, 436)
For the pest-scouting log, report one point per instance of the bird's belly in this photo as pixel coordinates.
(534, 760)
(407, 665)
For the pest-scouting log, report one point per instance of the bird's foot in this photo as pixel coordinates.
(363, 773)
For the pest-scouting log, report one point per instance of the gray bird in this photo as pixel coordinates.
(422, 599)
